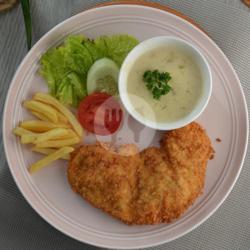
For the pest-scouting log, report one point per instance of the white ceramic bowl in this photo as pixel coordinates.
(152, 44)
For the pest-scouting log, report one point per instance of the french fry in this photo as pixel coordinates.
(21, 131)
(50, 158)
(55, 133)
(40, 116)
(70, 134)
(45, 98)
(40, 107)
(26, 135)
(58, 143)
(61, 117)
(47, 151)
(28, 138)
(41, 126)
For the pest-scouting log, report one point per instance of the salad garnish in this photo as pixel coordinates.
(66, 67)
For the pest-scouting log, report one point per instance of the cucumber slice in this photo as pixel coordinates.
(103, 77)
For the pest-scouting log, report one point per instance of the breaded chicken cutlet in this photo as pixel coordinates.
(148, 187)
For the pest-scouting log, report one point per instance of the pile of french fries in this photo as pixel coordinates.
(54, 134)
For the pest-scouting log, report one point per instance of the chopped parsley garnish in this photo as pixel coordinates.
(157, 82)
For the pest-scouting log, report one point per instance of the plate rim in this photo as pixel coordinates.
(57, 226)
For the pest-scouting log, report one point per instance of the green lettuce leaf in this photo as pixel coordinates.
(77, 57)
(118, 46)
(65, 68)
(53, 69)
(95, 51)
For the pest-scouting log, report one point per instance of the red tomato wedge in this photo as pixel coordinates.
(100, 113)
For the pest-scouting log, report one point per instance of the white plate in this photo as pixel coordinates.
(48, 191)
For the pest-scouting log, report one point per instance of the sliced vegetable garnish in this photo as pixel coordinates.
(65, 68)
(103, 77)
(100, 113)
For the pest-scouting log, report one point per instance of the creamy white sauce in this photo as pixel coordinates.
(186, 84)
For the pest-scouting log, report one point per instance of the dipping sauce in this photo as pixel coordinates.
(186, 84)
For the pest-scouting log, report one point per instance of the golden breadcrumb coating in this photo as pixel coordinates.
(148, 187)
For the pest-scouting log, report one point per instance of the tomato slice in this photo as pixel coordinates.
(100, 114)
